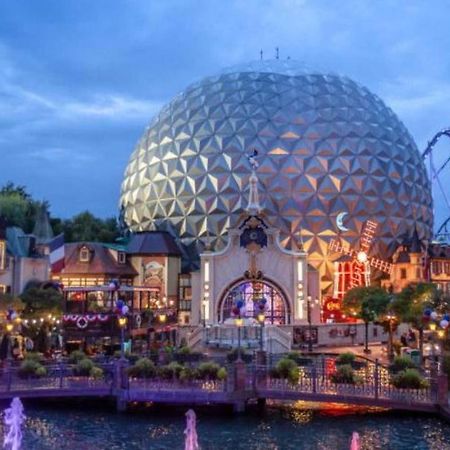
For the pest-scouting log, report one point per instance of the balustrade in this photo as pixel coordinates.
(373, 383)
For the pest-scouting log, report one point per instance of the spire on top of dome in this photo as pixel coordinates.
(253, 206)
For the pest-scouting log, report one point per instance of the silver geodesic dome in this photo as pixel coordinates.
(327, 146)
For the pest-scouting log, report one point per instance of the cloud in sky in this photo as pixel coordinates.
(80, 80)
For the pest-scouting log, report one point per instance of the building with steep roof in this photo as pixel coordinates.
(21, 264)
(150, 259)
(94, 264)
(414, 262)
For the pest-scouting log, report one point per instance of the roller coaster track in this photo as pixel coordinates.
(443, 229)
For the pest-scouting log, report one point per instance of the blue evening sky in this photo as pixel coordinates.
(80, 79)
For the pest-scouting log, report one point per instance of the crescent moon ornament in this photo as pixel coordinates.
(340, 221)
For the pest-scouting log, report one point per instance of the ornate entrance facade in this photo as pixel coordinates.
(255, 275)
(258, 297)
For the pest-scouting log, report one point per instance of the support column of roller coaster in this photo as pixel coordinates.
(444, 229)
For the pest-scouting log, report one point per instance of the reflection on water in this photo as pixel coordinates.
(296, 426)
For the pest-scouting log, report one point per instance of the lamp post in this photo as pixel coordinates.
(261, 320)
(239, 322)
(9, 328)
(204, 312)
(309, 306)
(390, 318)
(434, 320)
(122, 325)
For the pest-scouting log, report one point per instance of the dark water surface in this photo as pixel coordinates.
(87, 426)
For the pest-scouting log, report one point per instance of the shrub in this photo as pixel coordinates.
(185, 350)
(208, 371)
(409, 379)
(40, 371)
(31, 368)
(188, 374)
(96, 373)
(401, 363)
(222, 374)
(76, 356)
(344, 374)
(170, 371)
(293, 355)
(346, 358)
(294, 375)
(143, 368)
(34, 356)
(83, 367)
(284, 366)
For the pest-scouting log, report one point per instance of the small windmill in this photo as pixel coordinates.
(364, 262)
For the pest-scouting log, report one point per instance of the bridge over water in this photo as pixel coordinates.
(245, 383)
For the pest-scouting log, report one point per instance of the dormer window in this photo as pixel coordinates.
(84, 254)
(121, 257)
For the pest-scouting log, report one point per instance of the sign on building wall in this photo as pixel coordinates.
(302, 335)
(332, 310)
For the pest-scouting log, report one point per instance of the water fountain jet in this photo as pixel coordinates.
(191, 440)
(355, 444)
(14, 418)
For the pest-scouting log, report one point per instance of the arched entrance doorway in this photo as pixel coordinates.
(252, 294)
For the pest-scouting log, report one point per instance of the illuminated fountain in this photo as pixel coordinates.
(355, 444)
(191, 441)
(14, 418)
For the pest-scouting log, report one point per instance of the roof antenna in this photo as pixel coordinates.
(277, 50)
(261, 53)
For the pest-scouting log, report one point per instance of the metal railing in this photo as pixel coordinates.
(372, 382)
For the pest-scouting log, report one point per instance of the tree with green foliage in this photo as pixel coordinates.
(410, 304)
(8, 301)
(366, 303)
(41, 302)
(86, 227)
(20, 210)
(17, 206)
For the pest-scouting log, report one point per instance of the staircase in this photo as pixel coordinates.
(277, 340)
(274, 338)
(195, 339)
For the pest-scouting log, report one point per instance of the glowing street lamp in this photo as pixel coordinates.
(162, 318)
(261, 319)
(390, 317)
(122, 320)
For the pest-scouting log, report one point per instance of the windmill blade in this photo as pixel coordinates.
(337, 247)
(357, 278)
(379, 264)
(367, 235)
